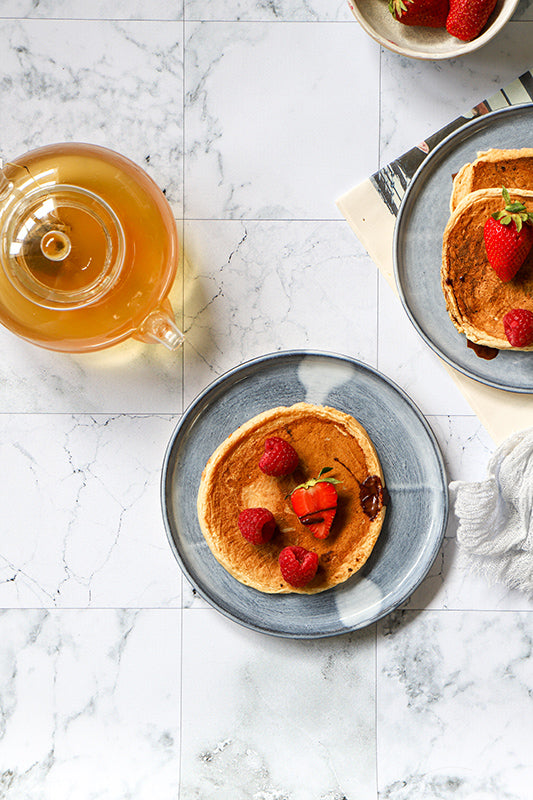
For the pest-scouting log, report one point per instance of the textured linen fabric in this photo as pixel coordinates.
(495, 515)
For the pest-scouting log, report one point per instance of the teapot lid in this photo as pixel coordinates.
(61, 246)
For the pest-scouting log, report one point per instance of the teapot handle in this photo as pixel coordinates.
(159, 327)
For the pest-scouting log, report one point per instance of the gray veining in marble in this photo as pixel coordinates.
(73, 723)
(437, 700)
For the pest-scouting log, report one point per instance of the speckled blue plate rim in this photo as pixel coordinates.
(491, 373)
(422, 563)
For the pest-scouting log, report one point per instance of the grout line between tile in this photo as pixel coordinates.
(339, 220)
(376, 707)
(208, 607)
(271, 21)
(192, 20)
(378, 295)
(267, 220)
(183, 296)
(180, 693)
(89, 19)
(183, 140)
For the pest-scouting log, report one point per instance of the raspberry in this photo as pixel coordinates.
(257, 525)
(298, 565)
(518, 327)
(279, 459)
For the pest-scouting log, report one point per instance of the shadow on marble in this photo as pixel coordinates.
(524, 10)
(406, 359)
(445, 89)
(257, 287)
(131, 378)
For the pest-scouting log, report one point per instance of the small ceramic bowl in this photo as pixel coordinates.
(424, 43)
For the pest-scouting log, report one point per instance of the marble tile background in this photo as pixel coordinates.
(74, 723)
(117, 682)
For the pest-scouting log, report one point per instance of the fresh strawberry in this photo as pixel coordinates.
(298, 565)
(315, 503)
(257, 525)
(508, 238)
(467, 18)
(279, 459)
(427, 13)
(518, 327)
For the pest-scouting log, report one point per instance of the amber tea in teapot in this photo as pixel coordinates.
(88, 250)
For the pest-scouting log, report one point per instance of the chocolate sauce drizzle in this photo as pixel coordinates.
(314, 517)
(482, 350)
(373, 496)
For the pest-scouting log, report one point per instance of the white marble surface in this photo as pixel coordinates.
(117, 682)
(74, 723)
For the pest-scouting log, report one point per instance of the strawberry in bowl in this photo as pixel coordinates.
(432, 29)
(424, 13)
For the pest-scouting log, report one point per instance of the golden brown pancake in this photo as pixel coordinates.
(493, 169)
(476, 298)
(232, 481)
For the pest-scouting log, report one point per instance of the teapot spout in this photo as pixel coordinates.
(159, 327)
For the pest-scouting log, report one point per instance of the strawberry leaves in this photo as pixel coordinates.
(514, 212)
(508, 236)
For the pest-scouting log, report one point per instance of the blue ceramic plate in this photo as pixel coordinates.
(423, 215)
(414, 475)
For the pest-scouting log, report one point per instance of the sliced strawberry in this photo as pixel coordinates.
(315, 504)
(508, 236)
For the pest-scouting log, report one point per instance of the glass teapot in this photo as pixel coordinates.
(88, 250)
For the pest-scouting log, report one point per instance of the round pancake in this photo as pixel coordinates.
(461, 186)
(232, 481)
(476, 298)
(493, 169)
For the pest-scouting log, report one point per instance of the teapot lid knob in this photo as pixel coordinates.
(61, 246)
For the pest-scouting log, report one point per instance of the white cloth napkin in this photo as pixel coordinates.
(496, 515)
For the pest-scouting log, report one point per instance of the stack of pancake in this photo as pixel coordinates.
(476, 298)
(233, 481)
